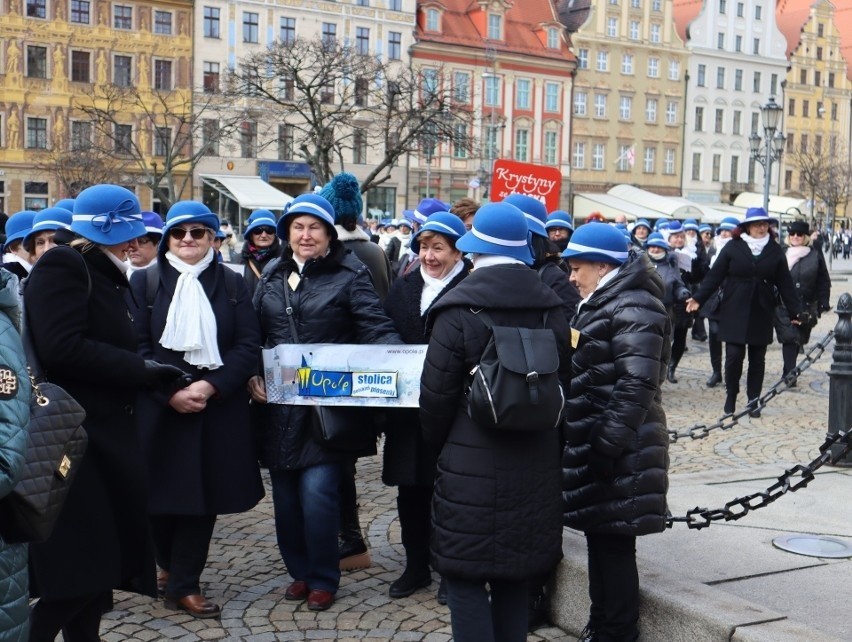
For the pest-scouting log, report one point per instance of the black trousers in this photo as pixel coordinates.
(476, 618)
(714, 346)
(678, 344)
(350, 525)
(734, 358)
(613, 587)
(182, 543)
(79, 618)
(413, 504)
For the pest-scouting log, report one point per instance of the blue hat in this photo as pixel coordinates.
(674, 227)
(107, 215)
(18, 226)
(311, 205)
(67, 203)
(188, 212)
(661, 223)
(153, 223)
(533, 209)
(655, 239)
(220, 234)
(404, 222)
(728, 223)
(690, 224)
(386, 221)
(704, 228)
(642, 222)
(559, 218)
(344, 193)
(260, 218)
(50, 218)
(754, 215)
(426, 208)
(443, 223)
(498, 228)
(597, 242)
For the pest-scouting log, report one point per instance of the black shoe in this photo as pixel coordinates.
(715, 379)
(587, 634)
(753, 409)
(701, 337)
(730, 404)
(353, 554)
(409, 582)
(670, 377)
(442, 592)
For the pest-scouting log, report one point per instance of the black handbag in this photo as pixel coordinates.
(56, 443)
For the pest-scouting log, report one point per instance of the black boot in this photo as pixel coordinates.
(753, 408)
(731, 403)
(352, 549)
(670, 377)
(411, 579)
(413, 506)
(715, 379)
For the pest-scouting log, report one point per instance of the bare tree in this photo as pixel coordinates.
(825, 172)
(78, 166)
(337, 101)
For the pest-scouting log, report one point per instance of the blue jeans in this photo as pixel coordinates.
(476, 618)
(307, 521)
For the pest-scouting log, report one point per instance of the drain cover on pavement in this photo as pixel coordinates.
(814, 545)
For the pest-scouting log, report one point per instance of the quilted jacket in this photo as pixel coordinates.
(14, 417)
(614, 406)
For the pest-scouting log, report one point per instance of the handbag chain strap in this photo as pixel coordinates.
(41, 400)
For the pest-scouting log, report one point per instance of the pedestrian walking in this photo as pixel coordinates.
(710, 310)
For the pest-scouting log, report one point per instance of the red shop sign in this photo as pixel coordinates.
(538, 181)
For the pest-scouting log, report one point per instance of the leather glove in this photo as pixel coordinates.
(162, 376)
(601, 466)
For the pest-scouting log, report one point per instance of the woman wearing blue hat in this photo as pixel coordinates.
(409, 462)
(640, 232)
(196, 315)
(614, 467)
(317, 292)
(45, 223)
(260, 247)
(16, 259)
(751, 267)
(666, 266)
(83, 334)
(509, 530)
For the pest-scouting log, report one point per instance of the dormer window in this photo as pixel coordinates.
(553, 38)
(495, 26)
(433, 20)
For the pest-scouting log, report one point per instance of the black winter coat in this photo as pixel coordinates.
(615, 406)
(358, 242)
(208, 455)
(676, 291)
(334, 302)
(557, 279)
(251, 264)
(747, 310)
(495, 509)
(408, 459)
(87, 344)
(812, 281)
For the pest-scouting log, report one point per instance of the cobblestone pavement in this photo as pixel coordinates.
(246, 577)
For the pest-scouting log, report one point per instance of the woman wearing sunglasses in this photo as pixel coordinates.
(810, 274)
(261, 246)
(196, 440)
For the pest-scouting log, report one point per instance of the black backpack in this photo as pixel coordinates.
(515, 385)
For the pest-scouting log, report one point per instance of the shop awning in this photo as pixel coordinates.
(250, 192)
(796, 207)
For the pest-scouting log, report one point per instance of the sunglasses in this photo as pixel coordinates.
(143, 240)
(796, 234)
(264, 229)
(179, 233)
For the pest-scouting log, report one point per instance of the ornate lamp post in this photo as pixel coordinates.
(768, 149)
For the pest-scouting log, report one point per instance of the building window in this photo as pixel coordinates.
(286, 87)
(738, 44)
(553, 38)
(671, 112)
(669, 161)
(327, 93)
(806, 108)
(460, 140)
(329, 33)
(362, 40)
(791, 107)
(551, 97)
(163, 23)
(522, 93)
(36, 133)
(719, 123)
(756, 83)
(737, 127)
(433, 20)
(287, 32)
(699, 119)
(461, 87)
(701, 80)
(758, 11)
(362, 85)
(833, 111)
(580, 100)
(394, 45)
(122, 74)
(756, 46)
(285, 141)
(717, 168)
(211, 77)
(395, 5)
(656, 5)
(723, 6)
(831, 79)
(363, 3)
(612, 27)
(674, 70)
(634, 30)
(649, 160)
(211, 22)
(359, 147)
(754, 119)
(251, 26)
(817, 78)
(36, 61)
(122, 139)
(598, 156)
(720, 40)
(578, 158)
(551, 142)
(81, 135)
(696, 166)
(495, 27)
(655, 33)
(627, 64)
(122, 17)
(625, 154)
(492, 141)
(603, 61)
(430, 84)
(34, 203)
(162, 141)
(651, 110)
(582, 58)
(738, 80)
(600, 105)
(740, 10)
(248, 139)
(803, 144)
(492, 91)
(720, 78)
(653, 67)
(625, 108)
(636, 4)
(773, 84)
(36, 8)
(163, 75)
(80, 11)
(522, 144)
(210, 136)
(81, 68)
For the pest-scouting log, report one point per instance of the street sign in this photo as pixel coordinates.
(539, 181)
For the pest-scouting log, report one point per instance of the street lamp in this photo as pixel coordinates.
(768, 149)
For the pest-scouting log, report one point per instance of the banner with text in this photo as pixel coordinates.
(334, 374)
(539, 181)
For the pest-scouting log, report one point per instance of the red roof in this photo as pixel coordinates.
(792, 16)
(685, 11)
(522, 25)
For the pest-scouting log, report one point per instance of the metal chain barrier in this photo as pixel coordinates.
(699, 431)
(792, 480)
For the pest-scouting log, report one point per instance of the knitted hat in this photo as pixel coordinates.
(755, 215)
(259, 218)
(344, 194)
(642, 222)
(533, 209)
(67, 203)
(311, 205)
(426, 208)
(188, 212)
(18, 226)
(799, 227)
(690, 224)
(655, 239)
(559, 218)
(597, 242)
(50, 218)
(704, 228)
(728, 223)
(107, 215)
(498, 228)
(443, 223)
(153, 223)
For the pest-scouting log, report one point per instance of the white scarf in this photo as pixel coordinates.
(487, 260)
(718, 243)
(796, 253)
(755, 245)
(11, 257)
(432, 287)
(190, 323)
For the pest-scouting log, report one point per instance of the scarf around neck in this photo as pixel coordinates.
(432, 287)
(190, 323)
(755, 245)
(796, 254)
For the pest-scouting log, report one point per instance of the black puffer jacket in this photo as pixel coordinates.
(495, 509)
(615, 406)
(333, 303)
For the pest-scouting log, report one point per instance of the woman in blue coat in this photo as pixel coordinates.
(197, 443)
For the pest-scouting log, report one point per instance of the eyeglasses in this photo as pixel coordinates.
(796, 234)
(144, 240)
(179, 233)
(264, 229)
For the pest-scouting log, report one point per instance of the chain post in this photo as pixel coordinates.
(840, 376)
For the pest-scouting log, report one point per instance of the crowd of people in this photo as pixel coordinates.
(150, 326)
